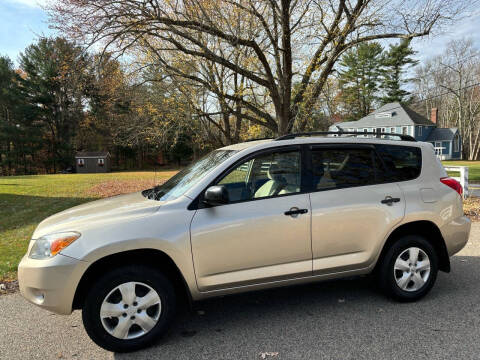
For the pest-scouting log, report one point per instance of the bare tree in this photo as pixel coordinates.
(288, 41)
(451, 82)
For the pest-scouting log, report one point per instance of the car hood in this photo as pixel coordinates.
(116, 208)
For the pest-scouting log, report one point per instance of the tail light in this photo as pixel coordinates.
(454, 184)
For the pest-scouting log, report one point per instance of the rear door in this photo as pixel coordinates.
(352, 211)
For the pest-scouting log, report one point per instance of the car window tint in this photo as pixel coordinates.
(340, 168)
(267, 175)
(401, 162)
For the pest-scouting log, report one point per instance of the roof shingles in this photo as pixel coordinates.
(100, 154)
(398, 115)
(447, 134)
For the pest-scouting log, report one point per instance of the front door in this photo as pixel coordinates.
(352, 213)
(251, 240)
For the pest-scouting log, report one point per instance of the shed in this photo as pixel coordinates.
(92, 162)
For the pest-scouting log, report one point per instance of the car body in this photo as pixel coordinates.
(283, 221)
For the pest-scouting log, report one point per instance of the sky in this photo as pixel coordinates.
(23, 21)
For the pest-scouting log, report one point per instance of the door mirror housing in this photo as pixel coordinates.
(216, 195)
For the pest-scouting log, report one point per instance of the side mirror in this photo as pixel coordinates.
(216, 195)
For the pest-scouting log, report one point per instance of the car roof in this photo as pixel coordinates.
(259, 144)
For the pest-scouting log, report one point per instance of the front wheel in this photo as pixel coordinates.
(409, 268)
(129, 308)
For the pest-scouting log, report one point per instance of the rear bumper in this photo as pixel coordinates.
(50, 283)
(456, 234)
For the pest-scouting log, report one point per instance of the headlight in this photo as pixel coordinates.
(50, 245)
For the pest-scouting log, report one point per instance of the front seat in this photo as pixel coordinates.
(280, 181)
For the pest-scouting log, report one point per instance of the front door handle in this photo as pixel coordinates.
(294, 211)
(390, 200)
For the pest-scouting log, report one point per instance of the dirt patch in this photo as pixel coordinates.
(117, 187)
(8, 287)
(471, 208)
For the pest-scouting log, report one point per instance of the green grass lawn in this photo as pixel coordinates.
(27, 200)
(473, 169)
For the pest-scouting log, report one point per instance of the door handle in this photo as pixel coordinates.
(295, 211)
(390, 200)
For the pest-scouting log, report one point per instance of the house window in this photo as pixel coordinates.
(405, 130)
(80, 162)
(101, 162)
(392, 130)
(419, 131)
(365, 132)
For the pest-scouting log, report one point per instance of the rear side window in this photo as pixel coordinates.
(401, 162)
(340, 168)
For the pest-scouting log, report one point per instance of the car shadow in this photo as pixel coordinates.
(342, 319)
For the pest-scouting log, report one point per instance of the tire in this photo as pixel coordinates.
(141, 323)
(400, 280)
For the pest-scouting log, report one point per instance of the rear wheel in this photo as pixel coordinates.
(409, 268)
(129, 308)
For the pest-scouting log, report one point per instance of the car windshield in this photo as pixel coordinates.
(185, 179)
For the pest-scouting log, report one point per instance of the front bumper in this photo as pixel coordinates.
(51, 283)
(456, 234)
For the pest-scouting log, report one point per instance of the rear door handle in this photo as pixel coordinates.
(295, 211)
(390, 200)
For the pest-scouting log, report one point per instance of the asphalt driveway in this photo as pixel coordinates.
(345, 319)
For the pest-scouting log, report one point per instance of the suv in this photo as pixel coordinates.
(249, 216)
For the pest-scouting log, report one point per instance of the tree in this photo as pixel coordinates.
(395, 63)
(19, 135)
(358, 79)
(450, 82)
(55, 77)
(285, 41)
(106, 96)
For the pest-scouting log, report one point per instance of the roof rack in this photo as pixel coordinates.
(342, 133)
(258, 139)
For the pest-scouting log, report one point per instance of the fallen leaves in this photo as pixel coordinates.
(7, 287)
(117, 187)
(471, 208)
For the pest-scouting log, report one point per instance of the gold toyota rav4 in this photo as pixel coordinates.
(249, 216)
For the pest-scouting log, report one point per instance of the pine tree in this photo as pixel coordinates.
(56, 75)
(395, 64)
(19, 138)
(358, 79)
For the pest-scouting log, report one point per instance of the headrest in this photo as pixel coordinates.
(275, 172)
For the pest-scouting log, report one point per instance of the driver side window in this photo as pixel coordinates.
(264, 176)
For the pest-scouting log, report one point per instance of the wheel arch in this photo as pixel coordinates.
(426, 229)
(151, 257)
